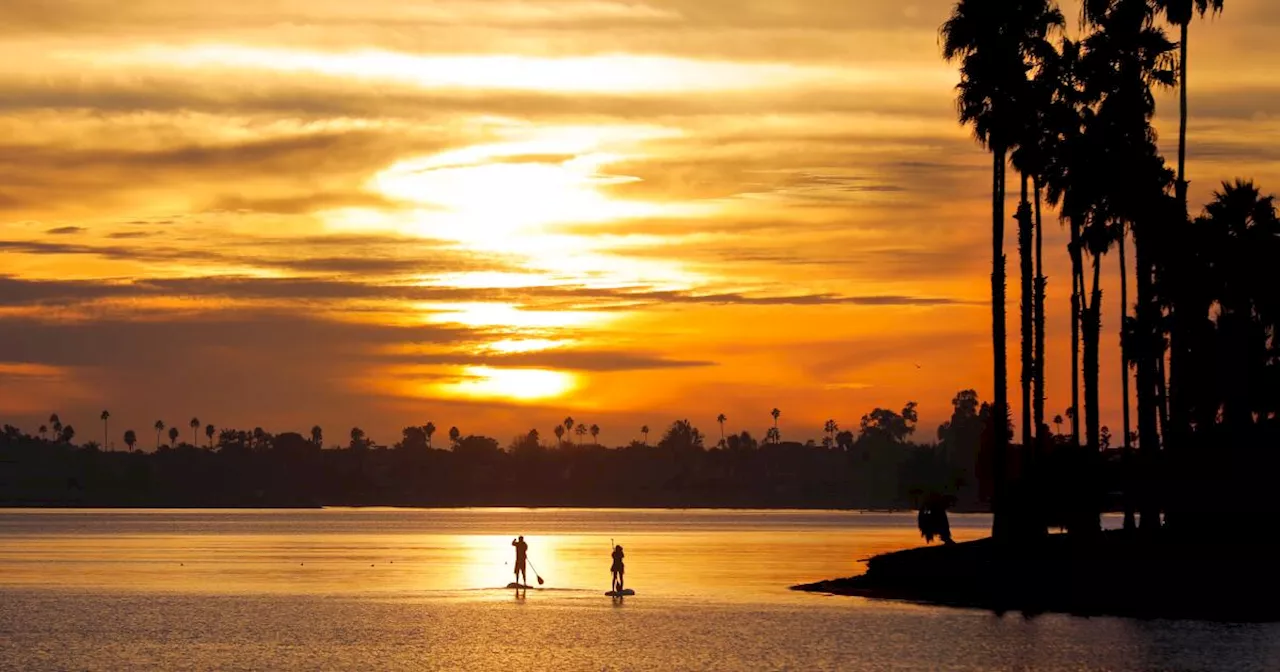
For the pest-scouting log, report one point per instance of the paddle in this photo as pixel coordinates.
(535, 572)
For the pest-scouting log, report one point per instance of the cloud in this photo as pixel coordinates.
(65, 230)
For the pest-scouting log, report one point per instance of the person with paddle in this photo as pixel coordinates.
(618, 568)
(522, 552)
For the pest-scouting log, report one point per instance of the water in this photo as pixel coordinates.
(410, 589)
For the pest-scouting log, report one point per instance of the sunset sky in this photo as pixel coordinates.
(496, 213)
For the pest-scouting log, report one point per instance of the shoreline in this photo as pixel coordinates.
(1110, 574)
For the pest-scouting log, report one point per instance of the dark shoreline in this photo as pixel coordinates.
(1113, 573)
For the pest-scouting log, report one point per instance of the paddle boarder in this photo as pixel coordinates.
(522, 551)
(618, 568)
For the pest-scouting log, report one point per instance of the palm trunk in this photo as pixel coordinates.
(1077, 286)
(1145, 354)
(1092, 322)
(1027, 310)
(1130, 521)
(1038, 399)
(1000, 410)
(1181, 185)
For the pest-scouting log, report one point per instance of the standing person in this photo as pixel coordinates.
(618, 568)
(522, 551)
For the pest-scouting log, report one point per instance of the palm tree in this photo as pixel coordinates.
(1126, 455)
(130, 439)
(984, 35)
(195, 426)
(357, 438)
(568, 425)
(56, 423)
(317, 436)
(104, 417)
(159, 428)
(429, 429)
(1180, 13)
(44, 429)
(777, 435)
(830, 427)
(173, 436)
(559, 432)
(595, 432)
(1057, 422)
(721, 419)
(209, 431)
(644, 429)
(455, 436)
(581, 431)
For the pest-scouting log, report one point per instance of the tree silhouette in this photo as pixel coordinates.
(130, 439)
(719, 419)
(454, 436)
(159, 428)
(358, 440)
(195, 427)
(44, 429)
(595, 432)
(68, 433)
(568, 425)
(173, 437)
(830, 427)
(105, 417)
(429, 429)
(1180, 13)
(986, 37)
(1057, 421)
(209, 431)
(777, 434)
(581, 431)
(317, 436)
(56, 423)
(559, 432)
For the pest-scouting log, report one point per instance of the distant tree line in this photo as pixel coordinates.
(881, 464)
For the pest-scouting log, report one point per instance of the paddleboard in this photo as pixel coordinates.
(519, 585)
(621, 593)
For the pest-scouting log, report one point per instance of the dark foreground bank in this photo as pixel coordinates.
(1114, 573)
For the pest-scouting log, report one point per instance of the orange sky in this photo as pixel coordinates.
(495, 213)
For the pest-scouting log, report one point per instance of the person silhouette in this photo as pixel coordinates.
(618, 569)
(522, 551)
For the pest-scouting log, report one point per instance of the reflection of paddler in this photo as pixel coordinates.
(618, 568)
(522, 552)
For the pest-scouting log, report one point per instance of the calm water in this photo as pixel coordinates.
(409, 589)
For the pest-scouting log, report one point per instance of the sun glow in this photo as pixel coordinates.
(484, 382)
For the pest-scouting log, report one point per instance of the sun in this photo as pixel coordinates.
(485, 382)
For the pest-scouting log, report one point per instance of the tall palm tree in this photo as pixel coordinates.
(317, 436)
(357, 438)
(429, 429)
(44, 429)
(209, 431)
(830, 427)
(159, 428)
(104, 417)
(1180, 13)
(568, 425)
(595, 433)
(173, 437)
(777, 435)
(56, 423)
(581, 431)
(644, 429)
(130, 439)
(987, 37)
(455, 435)
(559, 432)
(195, 426)
(721, 419)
